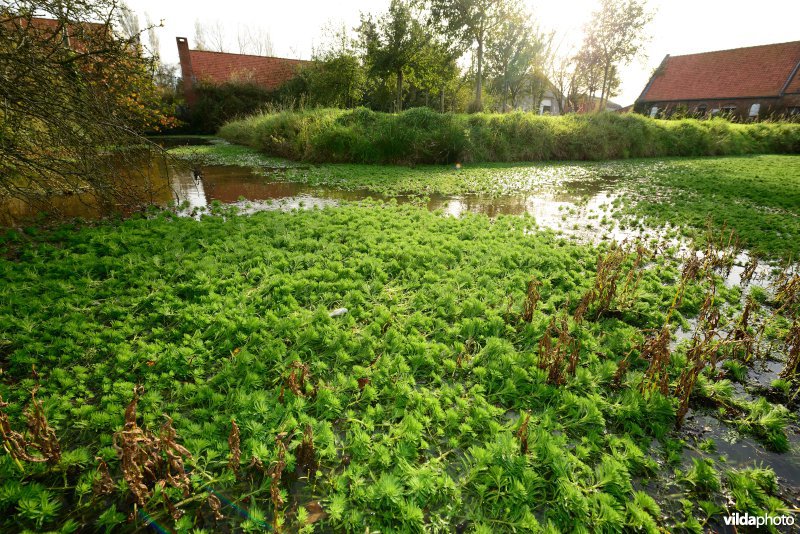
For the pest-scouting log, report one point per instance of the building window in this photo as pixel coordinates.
(730, 109)
(654, 112)
(754, 109)
(701, 110)
(546, 108)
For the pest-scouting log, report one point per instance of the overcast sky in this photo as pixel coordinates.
(679, 27)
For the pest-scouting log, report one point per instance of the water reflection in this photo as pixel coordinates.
(139, 180)
(186, 188)
(575, 206)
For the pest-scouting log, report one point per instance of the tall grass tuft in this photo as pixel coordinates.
(422, 135)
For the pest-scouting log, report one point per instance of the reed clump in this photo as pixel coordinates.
(421, 135)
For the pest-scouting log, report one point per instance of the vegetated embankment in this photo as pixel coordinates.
(422, 135)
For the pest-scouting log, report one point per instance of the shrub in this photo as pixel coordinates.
(421, 135)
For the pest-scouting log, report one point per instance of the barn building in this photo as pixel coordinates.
(744, 83)
(222, 67)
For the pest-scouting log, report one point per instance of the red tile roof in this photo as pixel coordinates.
(794, 85)
(78, 34)
(737, 73)
(221, 67)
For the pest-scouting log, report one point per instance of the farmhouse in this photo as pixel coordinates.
(222, 67)
(745, 83)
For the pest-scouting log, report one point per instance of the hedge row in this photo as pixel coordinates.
(424, 136)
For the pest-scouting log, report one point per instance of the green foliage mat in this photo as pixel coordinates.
(758, 196)
(416, 396)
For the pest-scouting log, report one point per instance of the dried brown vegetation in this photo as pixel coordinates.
(750, 269)
(793, 356)
(305, 453)
(702, 352)
(721, 248)
(216, 506)
(656, 351)
(531, 300)
(522, 435)
(41, 436)
(235, 447)
(103, 484)
(148, 461)
(552, 356)
(787, 297)
(740, 338)
(296, 381)
(610, 271)
(275, 472)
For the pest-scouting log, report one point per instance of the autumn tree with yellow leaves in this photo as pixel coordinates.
(76, 96)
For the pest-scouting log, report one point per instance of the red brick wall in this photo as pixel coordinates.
(219, 67)
(769, 105)
(187, 72)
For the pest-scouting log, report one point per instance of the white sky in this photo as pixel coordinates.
(679, 27)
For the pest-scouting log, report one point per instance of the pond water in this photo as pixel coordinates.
(574, 205)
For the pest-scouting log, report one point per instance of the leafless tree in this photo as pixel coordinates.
(256, 41)
(129, 22)
(200, 40)
(215, 35)
(152, 36)
(560, 71)
(618, 34)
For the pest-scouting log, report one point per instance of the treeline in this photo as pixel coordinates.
(450, 56)
(471, 55)
(422, 135)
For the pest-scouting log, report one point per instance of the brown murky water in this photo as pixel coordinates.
(574, 206)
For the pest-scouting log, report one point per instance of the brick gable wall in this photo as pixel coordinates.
(221, 67)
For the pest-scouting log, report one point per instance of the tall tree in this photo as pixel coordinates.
(588, 75)
(472, 21)
(393, 43)
(336, 77)
(254, 40)
(618, 30)
(153, 40)
(129, 22)
(515, 52)
(436, 71)
(560, 74)
(209, 36)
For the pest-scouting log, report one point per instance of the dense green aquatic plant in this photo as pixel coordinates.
(755, 195)
(423, 407)
(702, 477)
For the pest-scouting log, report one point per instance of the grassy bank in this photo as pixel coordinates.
(423, 136)
(452, 394)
